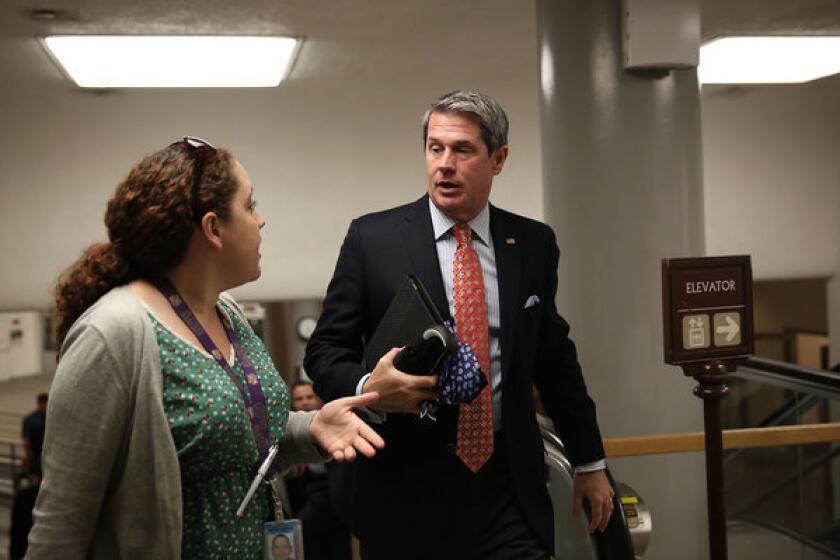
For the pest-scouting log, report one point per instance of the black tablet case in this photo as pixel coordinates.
(409, 314)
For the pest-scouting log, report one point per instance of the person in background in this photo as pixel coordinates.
(471, 484)
(164, 403)
(325, 536)
(34, 425)
(304, 397)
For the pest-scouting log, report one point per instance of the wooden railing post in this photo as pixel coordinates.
(711, 379)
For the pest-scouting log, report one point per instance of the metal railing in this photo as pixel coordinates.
(790, 376)
(11, 452)
(11, 463)
(793, 442)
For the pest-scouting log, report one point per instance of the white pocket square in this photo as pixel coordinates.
(532, 301)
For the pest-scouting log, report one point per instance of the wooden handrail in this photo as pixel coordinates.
(732, 439)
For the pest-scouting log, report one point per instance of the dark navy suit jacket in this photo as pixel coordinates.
(410, 497)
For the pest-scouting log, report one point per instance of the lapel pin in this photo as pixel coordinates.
(510, 241)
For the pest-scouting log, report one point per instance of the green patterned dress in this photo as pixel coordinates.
(215, 442)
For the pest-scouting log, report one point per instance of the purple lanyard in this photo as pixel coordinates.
(252, 396)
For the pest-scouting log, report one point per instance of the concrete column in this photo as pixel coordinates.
(622, 190)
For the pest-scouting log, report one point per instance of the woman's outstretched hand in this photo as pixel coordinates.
(341, 433)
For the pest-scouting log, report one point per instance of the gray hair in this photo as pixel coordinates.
(491, 117)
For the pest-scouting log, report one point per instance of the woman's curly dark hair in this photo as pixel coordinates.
(150, 221)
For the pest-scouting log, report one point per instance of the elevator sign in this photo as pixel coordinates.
(707, 308)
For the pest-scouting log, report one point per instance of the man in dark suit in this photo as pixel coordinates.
(471, 484)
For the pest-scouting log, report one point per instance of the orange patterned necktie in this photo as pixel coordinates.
(475, 419)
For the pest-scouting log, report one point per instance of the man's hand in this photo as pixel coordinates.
(596, 488)
(398, 391)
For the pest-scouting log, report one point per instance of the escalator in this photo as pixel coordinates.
(627, 534)
(782, 501)
(795, 378)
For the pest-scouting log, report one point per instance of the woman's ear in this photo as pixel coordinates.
(211, 229)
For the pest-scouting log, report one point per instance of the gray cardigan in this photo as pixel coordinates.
(112, 484)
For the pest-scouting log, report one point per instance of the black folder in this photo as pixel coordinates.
(411, 320)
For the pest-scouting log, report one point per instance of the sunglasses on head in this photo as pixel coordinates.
(199, 148)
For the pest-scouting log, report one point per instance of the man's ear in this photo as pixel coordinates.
(211, 229)
(498, 159)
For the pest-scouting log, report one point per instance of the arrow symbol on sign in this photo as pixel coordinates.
(731, 329)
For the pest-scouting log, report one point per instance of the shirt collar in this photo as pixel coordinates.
(441, 223)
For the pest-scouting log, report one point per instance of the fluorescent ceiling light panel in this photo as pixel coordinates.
(168, 61)
(768, 60)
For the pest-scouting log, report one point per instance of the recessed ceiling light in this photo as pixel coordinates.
(170, 61)
(768, 60)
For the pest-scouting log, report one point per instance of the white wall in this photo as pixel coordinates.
(316, 159)
(772, 176)
(326, 146)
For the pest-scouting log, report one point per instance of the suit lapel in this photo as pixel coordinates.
(506, 245)
(419, 239)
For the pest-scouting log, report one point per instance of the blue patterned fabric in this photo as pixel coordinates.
(460, 379)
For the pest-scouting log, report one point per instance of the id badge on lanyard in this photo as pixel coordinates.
(283, 540)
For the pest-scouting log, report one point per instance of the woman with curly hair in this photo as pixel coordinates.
(165, 403)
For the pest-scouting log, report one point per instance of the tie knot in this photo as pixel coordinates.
(463, 233)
